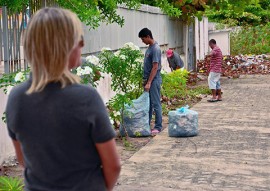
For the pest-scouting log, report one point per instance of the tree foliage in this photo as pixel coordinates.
(91, 12)
(242, 13)
(231, 12)
(251, 40)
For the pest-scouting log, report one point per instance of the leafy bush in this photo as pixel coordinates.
(174, 83)
(7, 81)
(176, 93)
(89, 71)
(126, 69)
(251, 40)
(10, 184)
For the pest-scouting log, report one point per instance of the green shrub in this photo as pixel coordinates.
(251, 40)
(126, 68)
(10, 184)
(174, 84)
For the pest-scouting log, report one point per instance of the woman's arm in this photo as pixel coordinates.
(110, 162)
(19, 153)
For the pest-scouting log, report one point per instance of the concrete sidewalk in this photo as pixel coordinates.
(231, 152)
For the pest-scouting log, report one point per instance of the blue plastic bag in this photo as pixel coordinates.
(136, 117)
(183, 122)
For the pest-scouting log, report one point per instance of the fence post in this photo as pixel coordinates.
(43, 3)
(5, 39)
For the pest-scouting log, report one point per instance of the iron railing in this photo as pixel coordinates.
(12, 27)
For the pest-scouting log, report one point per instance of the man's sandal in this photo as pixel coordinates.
(212, 100)
(155, 132)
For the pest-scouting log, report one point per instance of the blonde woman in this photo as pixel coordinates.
(60, 129)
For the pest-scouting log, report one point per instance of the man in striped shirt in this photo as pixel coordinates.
(215, 71)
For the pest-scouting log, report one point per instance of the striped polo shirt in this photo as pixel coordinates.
(216, 60)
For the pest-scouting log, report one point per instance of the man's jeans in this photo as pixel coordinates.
(155, 103)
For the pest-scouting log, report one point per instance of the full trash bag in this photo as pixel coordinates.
(183, 123)
(136, 118)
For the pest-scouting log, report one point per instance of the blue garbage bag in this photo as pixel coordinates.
(183, 122)
(136, 118)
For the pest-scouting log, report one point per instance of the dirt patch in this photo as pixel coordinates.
(11, 168)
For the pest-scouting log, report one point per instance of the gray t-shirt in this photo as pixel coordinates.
(58, 129)
(152, 54)
(175, 61)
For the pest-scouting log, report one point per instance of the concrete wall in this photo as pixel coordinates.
(201, 38)
(223, 40)
(167, 32)
(204, 31)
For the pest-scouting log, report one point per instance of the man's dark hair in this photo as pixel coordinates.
(213, 41)
(145, 32)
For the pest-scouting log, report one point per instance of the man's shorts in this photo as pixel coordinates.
(214, 81)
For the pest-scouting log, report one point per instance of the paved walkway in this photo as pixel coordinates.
(231, 153)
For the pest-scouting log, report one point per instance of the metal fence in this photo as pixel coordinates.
(12, 26)
(11, 29)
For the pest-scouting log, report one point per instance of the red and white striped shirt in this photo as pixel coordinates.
(216, 60)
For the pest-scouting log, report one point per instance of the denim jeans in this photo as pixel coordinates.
(155, 103)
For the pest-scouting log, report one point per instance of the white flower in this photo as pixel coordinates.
(9, 88)
(87, 70)
(19, 77)
(117, 53)
(79, 71)
(123, 57)
(139, 60)
(163, 72)
(136, 47)
(105, 49)
(92, 59)
(111, 120)
(116, 113)
(131, 46)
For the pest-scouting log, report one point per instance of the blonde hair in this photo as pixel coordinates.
(51, 35)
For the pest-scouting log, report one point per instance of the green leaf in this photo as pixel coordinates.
(10, 184)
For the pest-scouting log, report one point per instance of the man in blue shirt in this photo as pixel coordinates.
(151, 76)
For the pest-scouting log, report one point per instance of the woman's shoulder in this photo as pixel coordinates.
(19, 89)
(81, 88)
(81, 91)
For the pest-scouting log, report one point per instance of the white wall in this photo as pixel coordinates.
(6, 147)
(222, 38)
(167, 32)
(201, 38)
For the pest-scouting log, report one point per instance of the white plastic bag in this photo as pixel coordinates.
(136, 118)
(183, 123)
